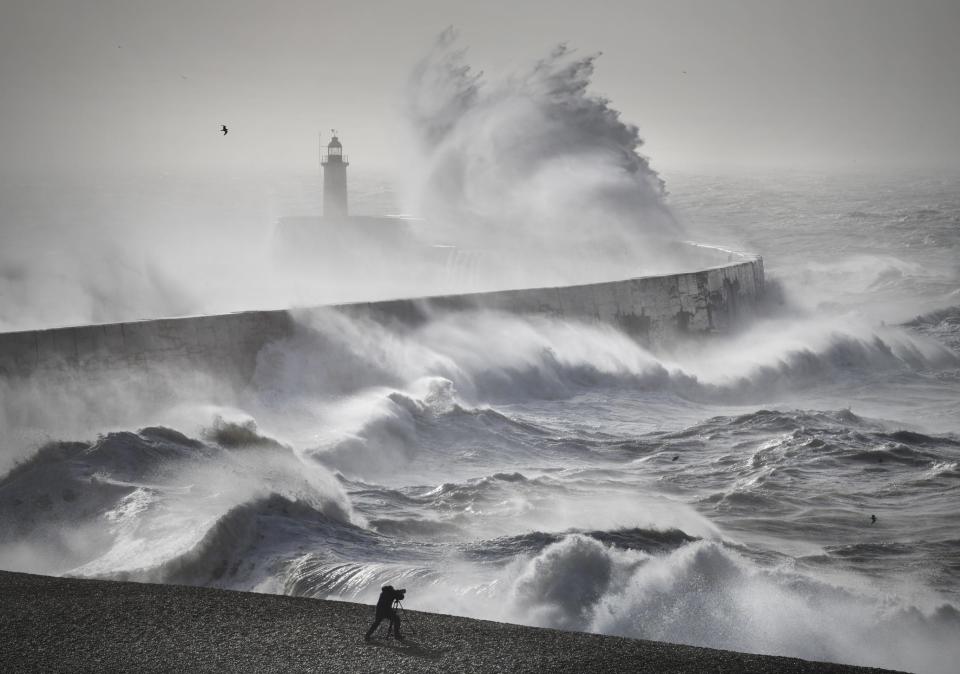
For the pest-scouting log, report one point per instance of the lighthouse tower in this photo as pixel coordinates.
(334, 179)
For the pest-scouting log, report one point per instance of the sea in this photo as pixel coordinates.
(789, 488)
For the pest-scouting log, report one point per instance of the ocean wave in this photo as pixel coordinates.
(131, 502)
(819, 433)
(829, 436)
(238, 434)
(313, 576)
(418, 528)
(507, 548)
(703, 593)
(49, 505)
(238, 549)
(376, 433)
(467, 360)
(371, 435)
(942, 325)
(914, 438)
(69, 483)
(122, 454)
(491, 418)
(745, 471)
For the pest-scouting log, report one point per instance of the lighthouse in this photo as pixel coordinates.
(328, 239)
(334, 164)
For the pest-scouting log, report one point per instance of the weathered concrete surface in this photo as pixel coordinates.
(653, 309)
(225, 343)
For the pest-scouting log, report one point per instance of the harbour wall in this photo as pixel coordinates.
(653, 309)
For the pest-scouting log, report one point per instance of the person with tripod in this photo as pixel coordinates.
(385, 609)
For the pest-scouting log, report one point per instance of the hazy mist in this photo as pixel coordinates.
(120, 199)
(146, 84)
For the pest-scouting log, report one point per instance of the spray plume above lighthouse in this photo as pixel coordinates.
(334, 164)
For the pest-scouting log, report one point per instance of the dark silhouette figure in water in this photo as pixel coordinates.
(873, 519)
(385, 610)
(223, 127)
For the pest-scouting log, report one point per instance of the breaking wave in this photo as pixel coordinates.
(706, 594)
(156, 504)
(463, 359)
(521, 162)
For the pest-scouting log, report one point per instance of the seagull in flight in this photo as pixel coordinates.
(224, 129)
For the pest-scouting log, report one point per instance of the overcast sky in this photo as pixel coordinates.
(145, 84)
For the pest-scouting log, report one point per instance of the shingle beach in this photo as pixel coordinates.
(70, 625)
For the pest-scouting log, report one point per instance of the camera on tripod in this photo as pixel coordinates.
(389, 606)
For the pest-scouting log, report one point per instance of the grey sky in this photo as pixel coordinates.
(133, 84)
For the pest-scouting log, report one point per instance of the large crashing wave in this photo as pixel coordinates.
(706, 594)
(534, 161)
(157, 505)
(490, 356)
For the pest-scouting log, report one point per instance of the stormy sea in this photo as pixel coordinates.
(557, 473)
(790, 487)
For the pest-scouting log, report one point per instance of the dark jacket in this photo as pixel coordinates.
(385, 602)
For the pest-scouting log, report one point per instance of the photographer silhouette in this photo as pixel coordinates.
(385, 610)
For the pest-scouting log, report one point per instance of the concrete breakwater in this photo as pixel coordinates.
(653, 309)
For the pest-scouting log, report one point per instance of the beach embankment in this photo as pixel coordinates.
(54, 624)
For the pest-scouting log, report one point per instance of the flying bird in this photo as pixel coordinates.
(223, 127)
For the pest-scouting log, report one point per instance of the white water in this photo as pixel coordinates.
(554, 472)
(457, 458)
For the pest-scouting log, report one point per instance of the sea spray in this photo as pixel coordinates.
(489, 356)
(144, 499)
(534, 161)
(720, 495)
(471, 486)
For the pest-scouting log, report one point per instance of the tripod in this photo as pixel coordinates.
(398, 607)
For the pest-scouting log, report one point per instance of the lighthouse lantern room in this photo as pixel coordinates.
(334, 164)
